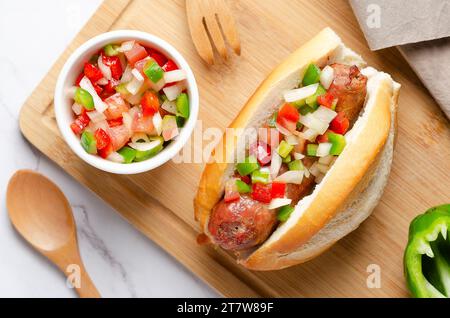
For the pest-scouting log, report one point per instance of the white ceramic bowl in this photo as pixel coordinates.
(63, 101)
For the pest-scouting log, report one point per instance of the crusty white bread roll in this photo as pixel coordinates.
(351, 188)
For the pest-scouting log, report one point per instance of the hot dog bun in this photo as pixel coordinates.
(351, 188)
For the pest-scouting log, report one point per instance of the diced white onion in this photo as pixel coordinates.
(292, 140)
(139, 137)
(324, 114)
(294, 176)
(174, 76)
(96, 116)
(115, 157)
(279, 202)
(134, 86)
(106, 71)
(275, 164)
(314, 170)
(103, 124)
(173, 91)
(323, 149)
(322, 168)
(77, 108)
(102, 81)
(157, 122)
(309, 134)
(127, 75)
(283, 130)
(127, 121)
(306, 171)
(145, 146)
(300, 93)
(298, 156)
(310, 121)
(159, 85)
(126, 46)
(169, 106)
(86, 84)
(326, 160)
(326, 76)
(265, 170)
(137, 75)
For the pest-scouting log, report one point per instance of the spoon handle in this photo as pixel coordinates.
(87, 288)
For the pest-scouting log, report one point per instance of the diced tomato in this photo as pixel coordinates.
(340, 124)
(141, 123)
(278, 190)
(105, 152)
(323, 138)
(80, 123)
(261, 151)
(139, 65)
(288, 124)
(97, 88)
(115, 122)
(288, 112)
(326, 100)
(110, 87)
(79, 78)
(157, 56)
(169, 66)
(137, 53)
(103, 139)
(261, 192)
(114, 64)
(149, 103)
(92, 72)
(246, 179)
(231, 192)
(119, 136)
(116, 106)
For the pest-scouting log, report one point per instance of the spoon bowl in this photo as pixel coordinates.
(40, 212)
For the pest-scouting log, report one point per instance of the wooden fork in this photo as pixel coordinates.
(212, 17)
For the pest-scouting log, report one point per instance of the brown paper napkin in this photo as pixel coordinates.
(420, 29)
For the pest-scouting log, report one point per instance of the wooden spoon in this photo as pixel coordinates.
(42, 215)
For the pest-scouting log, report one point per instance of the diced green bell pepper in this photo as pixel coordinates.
(144, 155)
(122, 89)
(296, 165)
(248, 166)
(260, 177)
(287, 159)
(94, 59)
(128, 154)
(311, 150)
(338, 143)
(299, 103)
(284, 149)
(303, 110)
(427, 254)
(311, 101)
(242, 187)
(183, 105)
(153, 71)
(83, 98)
(284, 212)
(180, 121)
(88, 142)
(312, 75)
(111, 49)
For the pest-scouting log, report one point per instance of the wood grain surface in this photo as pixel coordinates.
(269, 31)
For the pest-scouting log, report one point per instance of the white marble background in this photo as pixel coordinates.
(121, 261)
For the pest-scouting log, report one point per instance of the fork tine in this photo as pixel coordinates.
(216, 35)
(228, 24)
(198, 32)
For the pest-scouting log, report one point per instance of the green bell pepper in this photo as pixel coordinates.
(242, 187)
(338, 143)
(180, 121)
(312, 75)
(284, 149)
(83, 98)
(427, 255)
(287, 159)
(303, 110)
(128, 154)
(311, 101)
(144, 155)
(248, 166)
(88, 142)
(153, 71)
(182, 103)
(284, 212)
(122, 89)
(111, 49)
(311, 150)
(296, 165)
(260, 177)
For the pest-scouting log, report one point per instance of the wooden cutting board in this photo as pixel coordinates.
(159, 203)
